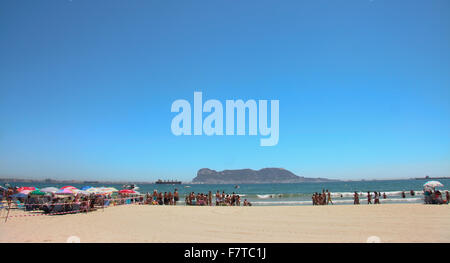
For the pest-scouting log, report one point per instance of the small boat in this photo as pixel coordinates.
(130, 187)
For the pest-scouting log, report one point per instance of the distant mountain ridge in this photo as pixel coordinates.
(242, 176)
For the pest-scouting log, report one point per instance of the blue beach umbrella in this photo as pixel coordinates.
(86, 187)
(19, 195)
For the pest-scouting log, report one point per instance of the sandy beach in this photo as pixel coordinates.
(142, 223)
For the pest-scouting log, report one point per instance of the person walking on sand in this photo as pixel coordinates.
(356, 199)
(377, 198)
(369, 198)
(447, 196)
(329, 198)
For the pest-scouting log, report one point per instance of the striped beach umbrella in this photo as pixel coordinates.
(68, 187)
(64, 192)
(126, 191)
(30, 188)
(49, 189)
(433, 184)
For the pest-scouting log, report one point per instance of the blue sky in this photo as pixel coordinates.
(86, 87)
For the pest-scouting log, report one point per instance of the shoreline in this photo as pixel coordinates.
(143, 223)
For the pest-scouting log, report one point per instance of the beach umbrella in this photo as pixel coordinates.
(127, 191)
(31, 188)
(83, 192)
(107, 189)
(86, 187)
(68, 187)
(92, 190)
(25, 192)
(37, 192)
(19, 195)
(64, 192)
(433, 184)
(49, 189)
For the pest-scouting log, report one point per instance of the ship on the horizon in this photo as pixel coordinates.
(167, 182)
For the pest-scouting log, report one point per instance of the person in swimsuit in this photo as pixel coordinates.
(377, 198)
(166, 199)
(217, 197)
(356, 199)
(160, 199)
(369, 198)
(170, 197)
(155, 195)
(329, 198)
(176, 197)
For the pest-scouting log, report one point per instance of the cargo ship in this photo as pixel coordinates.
(167, 182)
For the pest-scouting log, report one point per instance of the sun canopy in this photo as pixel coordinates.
(19, 195)
(433, 184)
(49, 189)
(37, 192)
(30, 188)
(127, 191)
(68, 187)
(64, 192)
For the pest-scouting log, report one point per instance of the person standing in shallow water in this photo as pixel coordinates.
(369, 198)
(176, 197)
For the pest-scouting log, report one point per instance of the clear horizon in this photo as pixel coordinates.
(86, 87)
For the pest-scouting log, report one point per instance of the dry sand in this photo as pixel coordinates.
(139, 223)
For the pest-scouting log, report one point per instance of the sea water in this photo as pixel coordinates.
(288, 194)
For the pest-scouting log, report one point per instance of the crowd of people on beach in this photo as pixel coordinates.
(376, 197)
(430, 197)
(199, 199)
(435, 197)
(162, 199)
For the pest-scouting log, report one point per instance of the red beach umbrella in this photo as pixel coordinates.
(127, 191)
(68, 187)
(29, 188)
